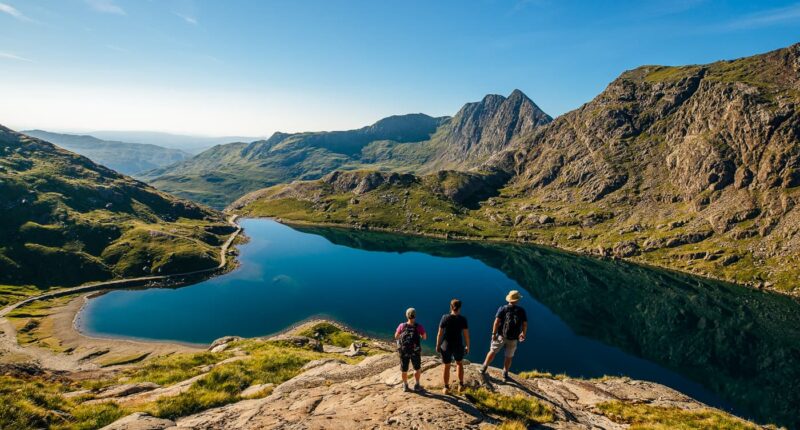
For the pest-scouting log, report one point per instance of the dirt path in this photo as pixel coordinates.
(86, 352)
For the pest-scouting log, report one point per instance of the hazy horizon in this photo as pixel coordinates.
(243, 68)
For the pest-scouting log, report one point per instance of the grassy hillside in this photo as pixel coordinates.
(693, 168)
(66, 220)
(123, 157)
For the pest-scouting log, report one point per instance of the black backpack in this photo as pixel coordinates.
(408, 342)
(512, 323)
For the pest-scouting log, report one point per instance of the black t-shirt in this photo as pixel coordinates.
(452, 327)
(504, 310)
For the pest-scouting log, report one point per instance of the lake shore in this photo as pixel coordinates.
(524, 242)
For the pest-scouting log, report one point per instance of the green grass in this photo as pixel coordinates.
(517, 407)
(10, 294)
(646, 417)
(174, 368)
(534, 374)
(27, 404)
(268, 362)
(330, 334)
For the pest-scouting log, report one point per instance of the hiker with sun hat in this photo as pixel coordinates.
(510, 327)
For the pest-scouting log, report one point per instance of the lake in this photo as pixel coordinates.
(728, 346)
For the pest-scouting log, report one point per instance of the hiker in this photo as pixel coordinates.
(510, 327)
(408, 335)
(452, 342)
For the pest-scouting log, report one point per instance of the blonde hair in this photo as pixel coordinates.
(411, 313)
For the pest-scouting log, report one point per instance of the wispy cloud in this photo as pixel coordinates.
(190, 19)
(765, 18)
(11, 10)
(9, 56)
(117, 48)
(106, 6)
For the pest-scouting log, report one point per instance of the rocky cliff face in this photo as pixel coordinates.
(695, 168)
(480, 130)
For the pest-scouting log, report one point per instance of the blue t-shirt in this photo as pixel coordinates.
(504, 310)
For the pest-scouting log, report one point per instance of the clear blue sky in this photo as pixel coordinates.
(238, 67)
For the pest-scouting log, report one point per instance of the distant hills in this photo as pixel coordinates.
(124, 157)
(695, 168)
(403, 143)
(187, 143)
(66, 220)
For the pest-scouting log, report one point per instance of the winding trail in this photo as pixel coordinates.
(8, 338)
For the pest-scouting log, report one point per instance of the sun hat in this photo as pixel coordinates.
(513, 296)
(411, 313)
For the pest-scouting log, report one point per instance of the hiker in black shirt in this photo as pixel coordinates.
(452, 343)
(510, 327)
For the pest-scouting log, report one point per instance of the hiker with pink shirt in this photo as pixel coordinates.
(409, 347)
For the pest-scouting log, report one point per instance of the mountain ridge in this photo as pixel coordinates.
(403, 143)
(694, 168)
(125, 157)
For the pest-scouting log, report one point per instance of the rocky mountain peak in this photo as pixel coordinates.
(483, 128)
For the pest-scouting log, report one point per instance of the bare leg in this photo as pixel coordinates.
(446, 375)
(417, 374)
(405, 377)
(460, 368)
(507, 363)
(489, 358)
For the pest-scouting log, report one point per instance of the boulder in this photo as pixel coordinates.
(140, 421)
(126, 390)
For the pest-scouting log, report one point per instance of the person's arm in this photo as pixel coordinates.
(398, 331)
(439, 340)
(524, 333)
(466, 340)
(422, 333)
(495, 327)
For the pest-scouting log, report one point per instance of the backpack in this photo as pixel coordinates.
(408, 342)
(512, 326)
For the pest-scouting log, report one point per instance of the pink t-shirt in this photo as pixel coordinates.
(420, 329)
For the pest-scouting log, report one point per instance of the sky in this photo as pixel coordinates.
(249, 68)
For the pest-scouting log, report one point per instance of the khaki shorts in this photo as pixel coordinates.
(509, 345)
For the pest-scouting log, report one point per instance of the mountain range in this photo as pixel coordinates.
(124, 157)
(695, 168)
(66, 220)
(405, 143)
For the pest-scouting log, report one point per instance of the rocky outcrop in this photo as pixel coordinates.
(360, 182)
(334, 395)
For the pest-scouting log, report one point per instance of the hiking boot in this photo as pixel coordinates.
(446, 391)
(405, 388)
(418, 388)
(484, 369)
(461, 387)
(506, 377)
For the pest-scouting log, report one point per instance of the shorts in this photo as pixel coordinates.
(452, 353)
(414, 358)
(509, 345)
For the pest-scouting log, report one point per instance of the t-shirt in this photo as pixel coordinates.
(452, 327)
(505, 309)
(420, 329)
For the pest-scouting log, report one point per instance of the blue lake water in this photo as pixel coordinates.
(587, 317)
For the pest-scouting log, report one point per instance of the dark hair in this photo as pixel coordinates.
(455, 304)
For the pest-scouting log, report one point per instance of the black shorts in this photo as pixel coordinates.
(415, 359)
(450, 353)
